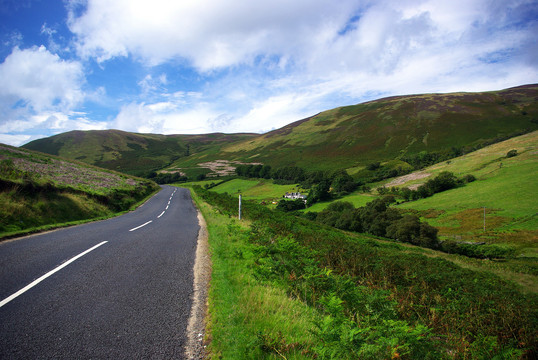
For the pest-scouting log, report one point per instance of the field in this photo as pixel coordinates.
(259, 189)
(505, 187)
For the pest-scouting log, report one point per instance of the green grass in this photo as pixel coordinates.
(255, 189)
(507, 187)
(244, 313)
(357, 199)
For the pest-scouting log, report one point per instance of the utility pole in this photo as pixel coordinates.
(239, 206)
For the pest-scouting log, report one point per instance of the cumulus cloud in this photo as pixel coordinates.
(207, 33)
(39, 89)
(37, 79)
(183, 113)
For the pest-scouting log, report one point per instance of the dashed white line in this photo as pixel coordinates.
(35, 282)
(161, 214)
(138, 227)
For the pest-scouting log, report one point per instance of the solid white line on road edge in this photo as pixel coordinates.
(138, 227)
(161, 214)
(35, 282)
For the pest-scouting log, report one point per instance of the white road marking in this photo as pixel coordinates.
(35, 282)
(138, 227)
(161, 214)
(167, 207)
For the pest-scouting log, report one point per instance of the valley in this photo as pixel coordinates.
(419, 210)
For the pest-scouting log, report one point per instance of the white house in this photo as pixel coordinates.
(294, 195)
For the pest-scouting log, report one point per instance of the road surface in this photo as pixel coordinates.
(114, 289)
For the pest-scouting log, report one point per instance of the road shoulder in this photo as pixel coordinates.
(195, 348)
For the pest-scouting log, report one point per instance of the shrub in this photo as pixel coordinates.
(511, 153)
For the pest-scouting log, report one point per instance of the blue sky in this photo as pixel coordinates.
(190, 67)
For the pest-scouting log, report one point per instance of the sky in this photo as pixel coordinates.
(194, 67)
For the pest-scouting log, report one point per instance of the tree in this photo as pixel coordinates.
(343, 183)
(444, 181)
(265, 172)
(319, 192)
(291, 205)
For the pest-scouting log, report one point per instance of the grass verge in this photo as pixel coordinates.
(248, 319)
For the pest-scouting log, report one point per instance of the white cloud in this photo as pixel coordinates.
(210, 34)
(181, 113)
(40, 80)
(14, 140)
(40, 91)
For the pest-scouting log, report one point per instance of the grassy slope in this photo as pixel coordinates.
(507, 187)
(241, 307)
(385, 129)
(129, 152)
(255, 189)
(41, 190)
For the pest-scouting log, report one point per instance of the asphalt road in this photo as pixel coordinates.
(124, 291)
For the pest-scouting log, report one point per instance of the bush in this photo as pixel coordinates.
(291, 205)
(479, 251)
(511, 153)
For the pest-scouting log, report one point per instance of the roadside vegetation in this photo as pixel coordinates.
(356, 297)
(39, 191)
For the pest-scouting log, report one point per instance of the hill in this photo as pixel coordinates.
(39, 190)
(395, 128)
(402, 131)
(131, 153)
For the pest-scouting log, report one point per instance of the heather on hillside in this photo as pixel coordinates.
(39, 190)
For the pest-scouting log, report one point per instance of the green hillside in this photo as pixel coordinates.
(505, 186)
(395, 127)
(136, 154)
(38, 190)
(390, 129)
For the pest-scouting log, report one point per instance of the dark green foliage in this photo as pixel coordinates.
(480, 251)
(410, 229)
(468, 178)
(511, 153)
(442, 182)
(293, 174)
(167, 178)
(343, 183)
(376, 296)
(291, 205)
(319, 192)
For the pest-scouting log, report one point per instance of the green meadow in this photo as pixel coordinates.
(257, 189)
(506, 187)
